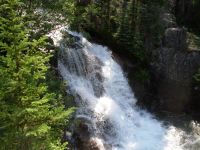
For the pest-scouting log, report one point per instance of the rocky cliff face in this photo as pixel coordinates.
(174, 69)
(174, 66)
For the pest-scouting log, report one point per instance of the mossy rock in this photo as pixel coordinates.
(193, 42)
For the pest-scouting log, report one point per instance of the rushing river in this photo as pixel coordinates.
(105, 98)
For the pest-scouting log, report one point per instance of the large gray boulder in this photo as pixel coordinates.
(175, 38)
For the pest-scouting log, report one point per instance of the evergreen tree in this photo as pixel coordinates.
(124, 34)
(31, 117)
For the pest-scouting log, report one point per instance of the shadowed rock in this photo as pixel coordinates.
(175, 38)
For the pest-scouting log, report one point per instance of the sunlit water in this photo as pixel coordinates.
(105, 98)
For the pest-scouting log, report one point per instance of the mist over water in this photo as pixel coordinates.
(105, 98)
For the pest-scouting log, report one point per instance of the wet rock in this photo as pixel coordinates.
(83, 128)
(71, 41)
(83, 133)
(89, 145)
(81, 62)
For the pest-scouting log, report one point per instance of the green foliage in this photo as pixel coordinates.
(58, 86)
(79, 16)
(31, 116)
(150, 18)
(52, 5)
(193, 41)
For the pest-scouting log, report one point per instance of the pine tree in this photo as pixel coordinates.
(31, 117)
(124, 35)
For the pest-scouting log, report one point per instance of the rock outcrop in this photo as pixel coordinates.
(173, 68)
(175, 38)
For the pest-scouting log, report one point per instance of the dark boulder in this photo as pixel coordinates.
(175, 38)
(84, 134)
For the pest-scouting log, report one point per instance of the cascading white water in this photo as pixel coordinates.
(106, 99)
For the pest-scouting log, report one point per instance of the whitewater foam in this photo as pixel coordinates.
(116, 119)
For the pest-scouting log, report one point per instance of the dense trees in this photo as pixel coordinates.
(122, 20)
(125, 25)
(188, 14)
(31, 116)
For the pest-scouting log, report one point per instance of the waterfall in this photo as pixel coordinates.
(105, 98)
